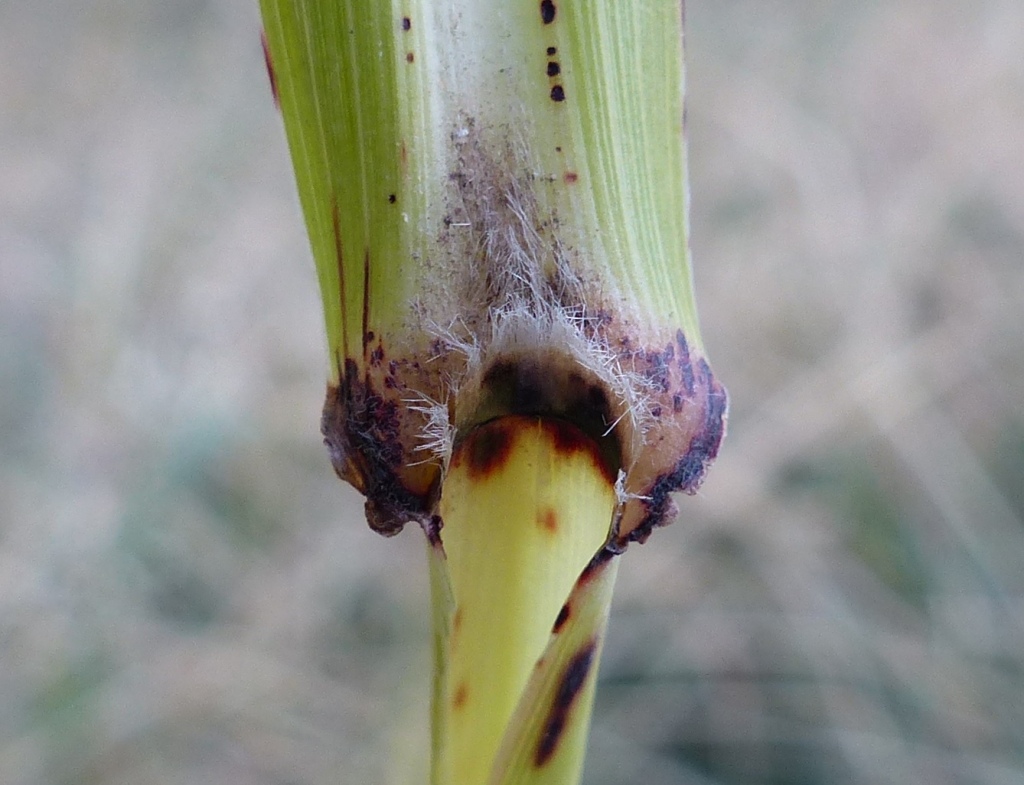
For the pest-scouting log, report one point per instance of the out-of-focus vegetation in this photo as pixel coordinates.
(187, 594)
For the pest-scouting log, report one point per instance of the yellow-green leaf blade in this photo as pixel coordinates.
(340, 74)
(546, 739)
(526, 504)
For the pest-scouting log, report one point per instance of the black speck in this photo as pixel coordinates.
(554, 69)
(552, 51)
(406, 23)
(392, 198)
(547, 11)
(557, 93)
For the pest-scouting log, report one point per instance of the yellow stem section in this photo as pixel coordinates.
(525, 506)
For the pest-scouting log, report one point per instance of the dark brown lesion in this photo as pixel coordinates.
(488, 448)
(271, 75)
(571, 684)
(432, 528)
(689, 471)
(563, 616)
(685, 364)
(597, 563)
(339, 259)
(456, 623)
(547, 520)
(568, 439)
(575, 407)
(686, 409)
(365, 438)
(367, 335)
(461, 696)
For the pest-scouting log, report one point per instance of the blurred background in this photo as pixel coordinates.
(188, 595)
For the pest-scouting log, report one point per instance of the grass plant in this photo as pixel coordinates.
(496, 199)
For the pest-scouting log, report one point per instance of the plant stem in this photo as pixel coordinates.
(495, 193)
(526, 504)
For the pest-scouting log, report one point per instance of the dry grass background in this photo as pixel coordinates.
(187, 595)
